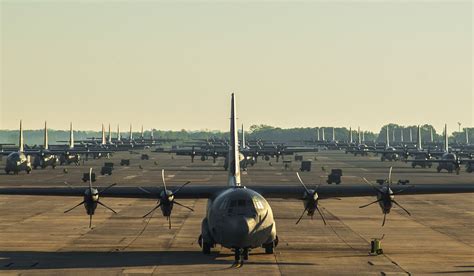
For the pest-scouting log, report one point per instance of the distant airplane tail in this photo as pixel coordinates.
(103, 135)
(71, 137)
(21, 141)
(234, 160)
(419, 146)
(446, 142)
(45, 146)
(387, 139)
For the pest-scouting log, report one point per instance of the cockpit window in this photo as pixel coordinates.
(258, 204)
(240, 206)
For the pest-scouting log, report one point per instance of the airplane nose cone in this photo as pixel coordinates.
(239, 230)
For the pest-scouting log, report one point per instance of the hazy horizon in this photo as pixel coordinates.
(173, 65)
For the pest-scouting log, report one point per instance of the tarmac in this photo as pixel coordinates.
(38, 238)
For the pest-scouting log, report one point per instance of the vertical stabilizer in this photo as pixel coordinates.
(71, 137)
(431, 135)
(130, 136)
(324, 135)
(467, 136)
(401, 135)
(45, 144)
(319, 137)
(103, 135)
(446, 143)
(387, 139)
(243, 138)
(234, 160)
(118, 133)
(350, 135)
(151, 134)
(110, 135)
(21, 141)
(418, 144)
(359, 136)
(333, 134)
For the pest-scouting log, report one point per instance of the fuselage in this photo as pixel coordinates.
(16, 162)
(239, 218)
(45, 159)
(449, 164)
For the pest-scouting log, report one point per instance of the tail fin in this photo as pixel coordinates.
(333, 134)
(110, 135)
(45, 146)
(324, 136)
(319, 138)
(359, 135)
(401, 135)
(431, 135)
(118, 133)
(21, 142)
(446, 144)
(234, 160)
(467, 136)
(418, 144)
(71, 137)
(151, 134)
(103, 135)
(131, 135)
(350, 135)
(387, 139)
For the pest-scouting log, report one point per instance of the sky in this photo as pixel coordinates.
(173, 64)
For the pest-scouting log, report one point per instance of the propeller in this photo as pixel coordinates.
(386, 197)
(310, 200)
(166, 200)
(91, 199)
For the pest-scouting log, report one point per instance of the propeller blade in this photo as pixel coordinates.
(304, 211)
(144, 190)
(401, 207)
(384, 217)
(90, 178)
(321, 214)
(363, 206)
(177, 190)
(152, 210)
(371, 184)
(90, 221)
(74, 207)
(108, 187)
(175, 202)
(301, 181)
(390, 176)
(106, 207)
(163, 178)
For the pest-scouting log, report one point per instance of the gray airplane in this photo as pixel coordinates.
(239, 217)
(45, 157)
(18, 161)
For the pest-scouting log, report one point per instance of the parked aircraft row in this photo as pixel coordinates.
(239, 217)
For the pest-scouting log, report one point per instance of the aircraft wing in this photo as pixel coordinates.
(268, 191)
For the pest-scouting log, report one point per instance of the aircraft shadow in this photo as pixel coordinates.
(24, 260)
